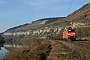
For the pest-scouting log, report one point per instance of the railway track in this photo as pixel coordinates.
(85, 44)
(81, 47)
(61, 52)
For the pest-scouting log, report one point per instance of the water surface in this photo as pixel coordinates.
(3, 52)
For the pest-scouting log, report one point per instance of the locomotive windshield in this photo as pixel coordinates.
(71, 30)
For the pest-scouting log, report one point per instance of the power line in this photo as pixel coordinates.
(70, 4)
(84, 1)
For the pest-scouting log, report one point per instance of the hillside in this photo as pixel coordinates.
(81, 15)
(79, 19)
(34, 25)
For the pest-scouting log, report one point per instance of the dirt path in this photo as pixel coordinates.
(61, 52)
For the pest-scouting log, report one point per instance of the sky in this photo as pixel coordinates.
(18, 12)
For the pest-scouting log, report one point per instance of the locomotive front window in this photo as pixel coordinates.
(71, 30)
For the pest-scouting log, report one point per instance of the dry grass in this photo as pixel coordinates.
(83, 32)
(33, 49)
(38, 49)
(61, 52)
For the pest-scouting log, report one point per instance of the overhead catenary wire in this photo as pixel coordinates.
(70, 4)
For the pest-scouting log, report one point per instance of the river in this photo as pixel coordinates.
(3, 51)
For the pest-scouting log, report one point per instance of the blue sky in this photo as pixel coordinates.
(18, 12)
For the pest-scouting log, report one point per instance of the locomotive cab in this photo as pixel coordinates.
(69, 33)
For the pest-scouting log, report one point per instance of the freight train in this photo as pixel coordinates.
(69, 33)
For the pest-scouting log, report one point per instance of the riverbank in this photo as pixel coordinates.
(1, 40)
(33, 49)
(42, 49)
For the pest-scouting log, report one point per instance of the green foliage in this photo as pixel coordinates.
(1, 39)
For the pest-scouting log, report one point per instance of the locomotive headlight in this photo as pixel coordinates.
(69, 34)
(73, 33)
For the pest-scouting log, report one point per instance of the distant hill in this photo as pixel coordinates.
(79, 19)
(34, 25)
(81, 15)
(10, 29)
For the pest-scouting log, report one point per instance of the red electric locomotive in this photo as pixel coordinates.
(69, 33)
